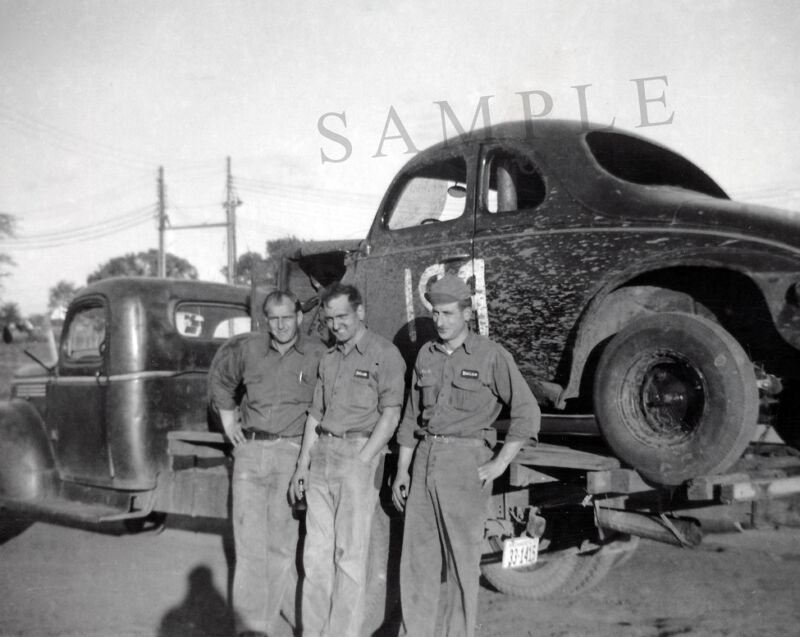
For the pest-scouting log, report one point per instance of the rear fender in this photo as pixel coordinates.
(26, 456)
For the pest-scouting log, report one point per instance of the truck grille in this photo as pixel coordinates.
(30, 390)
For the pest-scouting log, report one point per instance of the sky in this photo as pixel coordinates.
(306, 99)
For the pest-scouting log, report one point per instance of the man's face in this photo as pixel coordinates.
(342, 320)
(283, 321)
(451, 321)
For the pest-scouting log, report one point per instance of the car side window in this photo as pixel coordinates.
(86, 333)
(434, 193)
(514, 183)
(211, 320)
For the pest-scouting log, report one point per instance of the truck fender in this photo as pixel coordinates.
(26, 457)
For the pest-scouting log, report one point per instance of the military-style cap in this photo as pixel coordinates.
(448, 289)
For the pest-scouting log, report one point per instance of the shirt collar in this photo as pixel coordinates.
(468, 344)
(299, 344)
(361, 344)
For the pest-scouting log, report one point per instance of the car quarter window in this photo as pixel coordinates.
(433, 193)
(211, 320)
(512, 182)
(86, 333)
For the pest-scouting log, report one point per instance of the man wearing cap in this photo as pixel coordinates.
(274, 374)
(354, 413)
(460, 382)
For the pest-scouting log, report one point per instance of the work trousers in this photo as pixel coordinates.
(265, 534)
(342, 494)
(442, 538)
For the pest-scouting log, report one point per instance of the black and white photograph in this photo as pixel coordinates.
(366, 319)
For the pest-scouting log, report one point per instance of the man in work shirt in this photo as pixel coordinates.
(460, 382)
(277, 373)
(355, 411)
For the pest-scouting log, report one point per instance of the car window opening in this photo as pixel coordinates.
(514, 183)
(432, 194)
(640, 162)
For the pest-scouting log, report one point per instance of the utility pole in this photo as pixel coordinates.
(231, 203)
(162, 219)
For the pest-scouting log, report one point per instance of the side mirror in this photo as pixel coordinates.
(8, 336)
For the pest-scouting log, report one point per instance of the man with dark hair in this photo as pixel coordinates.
(275, 375)
(460, 382)
(355, 412)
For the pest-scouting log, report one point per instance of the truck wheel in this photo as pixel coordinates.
(675, 397)
(563, 576)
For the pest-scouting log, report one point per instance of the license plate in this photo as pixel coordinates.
(520, 551)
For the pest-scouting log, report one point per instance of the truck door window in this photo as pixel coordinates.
(514, 183)
(433, 193)
(211, 320)
(86, 333)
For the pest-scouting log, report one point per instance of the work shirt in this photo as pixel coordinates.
(461, 394)
(278, 388)
(357, 381)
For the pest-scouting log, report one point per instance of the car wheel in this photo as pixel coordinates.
(562, 575)
(675, 397)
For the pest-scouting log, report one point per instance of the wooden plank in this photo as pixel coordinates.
(616, 481)
(548, 455)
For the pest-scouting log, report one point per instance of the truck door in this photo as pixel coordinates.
(424, 229)
(77, 397)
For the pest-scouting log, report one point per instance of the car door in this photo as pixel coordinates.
(78, 395)
(424, 229)
(528, 242)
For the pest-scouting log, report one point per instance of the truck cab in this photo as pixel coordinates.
(92, 438)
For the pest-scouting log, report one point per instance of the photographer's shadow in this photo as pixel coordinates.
(202, 613)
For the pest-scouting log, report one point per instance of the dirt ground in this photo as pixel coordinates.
(73, 582)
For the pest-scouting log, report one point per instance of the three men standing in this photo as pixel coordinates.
(460, 382)
(278, 373)
(354, 413)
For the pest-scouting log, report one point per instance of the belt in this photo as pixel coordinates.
(345, 434)
(467, 440)
(258, 434)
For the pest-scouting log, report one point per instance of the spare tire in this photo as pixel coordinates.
(561, 575)
(675, 397)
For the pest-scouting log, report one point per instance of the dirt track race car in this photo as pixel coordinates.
(622, 278)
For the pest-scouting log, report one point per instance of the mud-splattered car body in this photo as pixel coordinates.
(569, 236)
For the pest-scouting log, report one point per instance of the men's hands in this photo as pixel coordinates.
(232, 426)
(297, 487)
(400, 490)
(491, 470)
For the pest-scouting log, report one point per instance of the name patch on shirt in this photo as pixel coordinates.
(361, 373)
(469, 373)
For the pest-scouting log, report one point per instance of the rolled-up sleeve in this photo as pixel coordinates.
(317, 407)
(410, 422)
(511, 387)
(391, 382)
(225, 374)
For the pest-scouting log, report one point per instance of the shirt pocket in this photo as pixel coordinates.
(306, 380)
(466, 394)
(253, 382)
(429, 391)
(362, 393)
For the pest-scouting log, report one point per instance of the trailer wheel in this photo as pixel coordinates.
(562, 576)
(675, 397)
